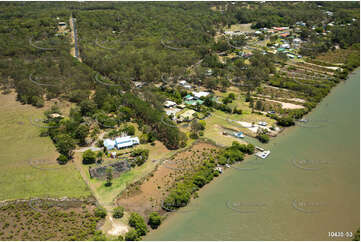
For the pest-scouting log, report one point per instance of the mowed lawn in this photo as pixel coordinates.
(220, 121)
(23, 152)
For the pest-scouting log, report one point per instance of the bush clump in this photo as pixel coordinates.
(264, 138)
(89, 157)
(137, 222)
(62, 159)
(131, 236)
(154, 220)
(118, 212)
(285, 121)
(141, 156)
(100, 212)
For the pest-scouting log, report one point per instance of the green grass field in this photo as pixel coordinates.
(240, 27)
(23, 152)
(214, 129)
(28, 161)
(218, 121)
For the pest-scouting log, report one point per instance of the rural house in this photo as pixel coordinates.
(169, 104)
(121, 142)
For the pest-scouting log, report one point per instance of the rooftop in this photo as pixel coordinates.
(193, 102)
(188, 97)
(200, 94)
(169, 104)
(188, 114)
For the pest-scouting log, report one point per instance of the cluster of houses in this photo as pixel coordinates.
(172, 108)
(120, 142)
(289, 41)
(195, 99)
(287, 49)
(186, 85)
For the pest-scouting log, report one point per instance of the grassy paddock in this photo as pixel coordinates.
(22, 149)
(214, 129)
(240, 27)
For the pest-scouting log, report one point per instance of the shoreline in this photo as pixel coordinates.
(285, 131)
(329, 94)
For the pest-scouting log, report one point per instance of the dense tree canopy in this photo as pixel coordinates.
(123, 42)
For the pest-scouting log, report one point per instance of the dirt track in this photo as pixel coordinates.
(72, 34)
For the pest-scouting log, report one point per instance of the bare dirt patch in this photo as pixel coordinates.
(286, 105)
(246, 28)
(147, 197)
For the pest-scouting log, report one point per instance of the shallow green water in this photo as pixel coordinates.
(307, 187)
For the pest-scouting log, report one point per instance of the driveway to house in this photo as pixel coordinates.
(93, 146)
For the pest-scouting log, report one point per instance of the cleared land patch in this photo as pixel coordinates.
(28, 161)
(241, 27)
(147, 197)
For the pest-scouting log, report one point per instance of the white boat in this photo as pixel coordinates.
(263, 154)
(262, 123)
(238, 135)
